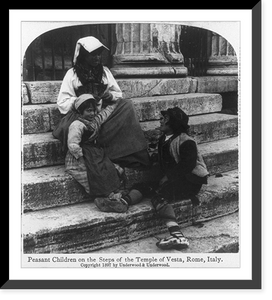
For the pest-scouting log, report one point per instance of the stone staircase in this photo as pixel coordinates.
(59, 217)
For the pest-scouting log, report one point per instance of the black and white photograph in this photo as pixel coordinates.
(130, 144)
(133, 160)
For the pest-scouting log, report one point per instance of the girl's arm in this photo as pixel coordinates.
(95, 124)
(75, 133)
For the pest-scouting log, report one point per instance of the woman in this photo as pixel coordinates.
(120, 136)
(87, 76)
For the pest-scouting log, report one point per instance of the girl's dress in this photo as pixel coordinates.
(98, 174)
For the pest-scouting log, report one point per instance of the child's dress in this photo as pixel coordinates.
(97, 174)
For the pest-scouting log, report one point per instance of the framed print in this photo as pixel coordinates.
(131, 149)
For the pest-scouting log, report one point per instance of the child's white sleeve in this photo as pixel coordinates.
(75, 133)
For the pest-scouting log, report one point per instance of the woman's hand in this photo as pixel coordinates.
(107, 97)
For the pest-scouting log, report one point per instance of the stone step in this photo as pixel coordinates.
(45, 117)
(51, 186)
(44, 150)
(37, 92)
(83, 228)
(218, 235)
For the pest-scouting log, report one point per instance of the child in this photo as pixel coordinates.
(184, 173)
(85, 159)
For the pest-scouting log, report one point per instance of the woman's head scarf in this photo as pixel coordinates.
(90, 43)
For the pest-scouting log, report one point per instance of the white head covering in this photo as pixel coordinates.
(90, 43)
(82, 98)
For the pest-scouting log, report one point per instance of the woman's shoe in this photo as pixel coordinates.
(107, 204)
(173, 242)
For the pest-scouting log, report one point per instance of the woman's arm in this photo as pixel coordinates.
(113, 91)
(67, 96)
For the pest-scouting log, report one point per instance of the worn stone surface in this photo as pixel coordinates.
(47, 91)
(139, 41)
(47, 116)
(43, 91)
(41, 150)
(50, 186)
(222, 64)
(216, 71)
(55, 116)
(44, 150)
(82, 228)
(36, 120)
(158, 71)
(134, 88)
(212, 127)
(220, 156)
(149, 108)
(148, 50)
(217, 235)
(217, 84)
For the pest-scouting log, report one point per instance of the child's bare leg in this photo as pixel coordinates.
(176, 240)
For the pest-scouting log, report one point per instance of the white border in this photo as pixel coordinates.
(244, 16)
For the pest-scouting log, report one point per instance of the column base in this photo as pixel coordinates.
(149, 71)
(222, 66)
(222, 72)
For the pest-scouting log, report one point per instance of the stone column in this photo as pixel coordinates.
(222, 57)
(148, 50)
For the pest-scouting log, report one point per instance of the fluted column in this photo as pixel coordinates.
(222, 57)
(145, 49)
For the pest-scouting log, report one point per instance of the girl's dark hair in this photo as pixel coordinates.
(86, 104)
